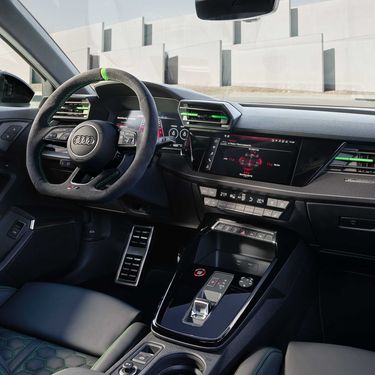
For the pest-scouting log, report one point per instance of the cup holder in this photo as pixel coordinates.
(179, 364)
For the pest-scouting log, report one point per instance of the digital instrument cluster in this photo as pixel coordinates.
(169, 125)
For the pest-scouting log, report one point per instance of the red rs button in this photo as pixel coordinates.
(200, 272)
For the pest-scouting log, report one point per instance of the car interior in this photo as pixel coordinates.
(148, 228)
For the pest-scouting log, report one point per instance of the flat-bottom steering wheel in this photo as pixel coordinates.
(93, 144)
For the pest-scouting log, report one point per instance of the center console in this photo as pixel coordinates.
(211, 292)
(231, 281)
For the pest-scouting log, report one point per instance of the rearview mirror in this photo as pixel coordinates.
(218, 10)
(13, 90)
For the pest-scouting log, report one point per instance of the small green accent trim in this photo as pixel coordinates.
(342, 158)
(192, 114)
(219, 117)
(103, 73)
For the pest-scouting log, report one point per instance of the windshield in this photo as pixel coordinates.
(316, 52)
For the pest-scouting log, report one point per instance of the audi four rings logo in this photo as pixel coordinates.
(84, 140)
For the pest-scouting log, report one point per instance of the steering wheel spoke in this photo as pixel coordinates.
(125, 163)
(83, 180)
(109, 176)
(73, 175)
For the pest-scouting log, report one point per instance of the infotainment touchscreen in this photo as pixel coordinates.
(251, 157)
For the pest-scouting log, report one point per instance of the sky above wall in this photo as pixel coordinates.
(55, 15)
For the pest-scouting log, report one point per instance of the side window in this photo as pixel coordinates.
(12, 62)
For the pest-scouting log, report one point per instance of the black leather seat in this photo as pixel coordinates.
(303, 358)
(47, 327)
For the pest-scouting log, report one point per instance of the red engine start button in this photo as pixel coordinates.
(200, 272)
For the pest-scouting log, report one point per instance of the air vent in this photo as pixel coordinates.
(134, 256)
(207, 115)
(354, 160)
(73, 109)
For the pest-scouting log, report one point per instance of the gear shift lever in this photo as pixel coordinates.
(200, 309)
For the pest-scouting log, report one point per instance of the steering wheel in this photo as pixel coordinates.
(93, 145)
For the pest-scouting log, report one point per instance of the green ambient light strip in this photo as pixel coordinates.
(191, 114)
(194, 114)
(361, 160)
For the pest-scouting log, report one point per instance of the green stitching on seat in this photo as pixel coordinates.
(103, 73)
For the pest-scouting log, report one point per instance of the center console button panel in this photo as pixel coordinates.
(247, 203)
(244, 230)
(138, 361)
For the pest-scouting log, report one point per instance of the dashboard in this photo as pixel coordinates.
(274, 165)
(272, 145)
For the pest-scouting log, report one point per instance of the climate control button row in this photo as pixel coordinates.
(246, 203)
(241, 208)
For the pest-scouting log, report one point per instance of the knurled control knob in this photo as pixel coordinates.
(128, 368)
(246, 282)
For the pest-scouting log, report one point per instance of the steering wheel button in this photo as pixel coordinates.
(64, 136)
(6, 137)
